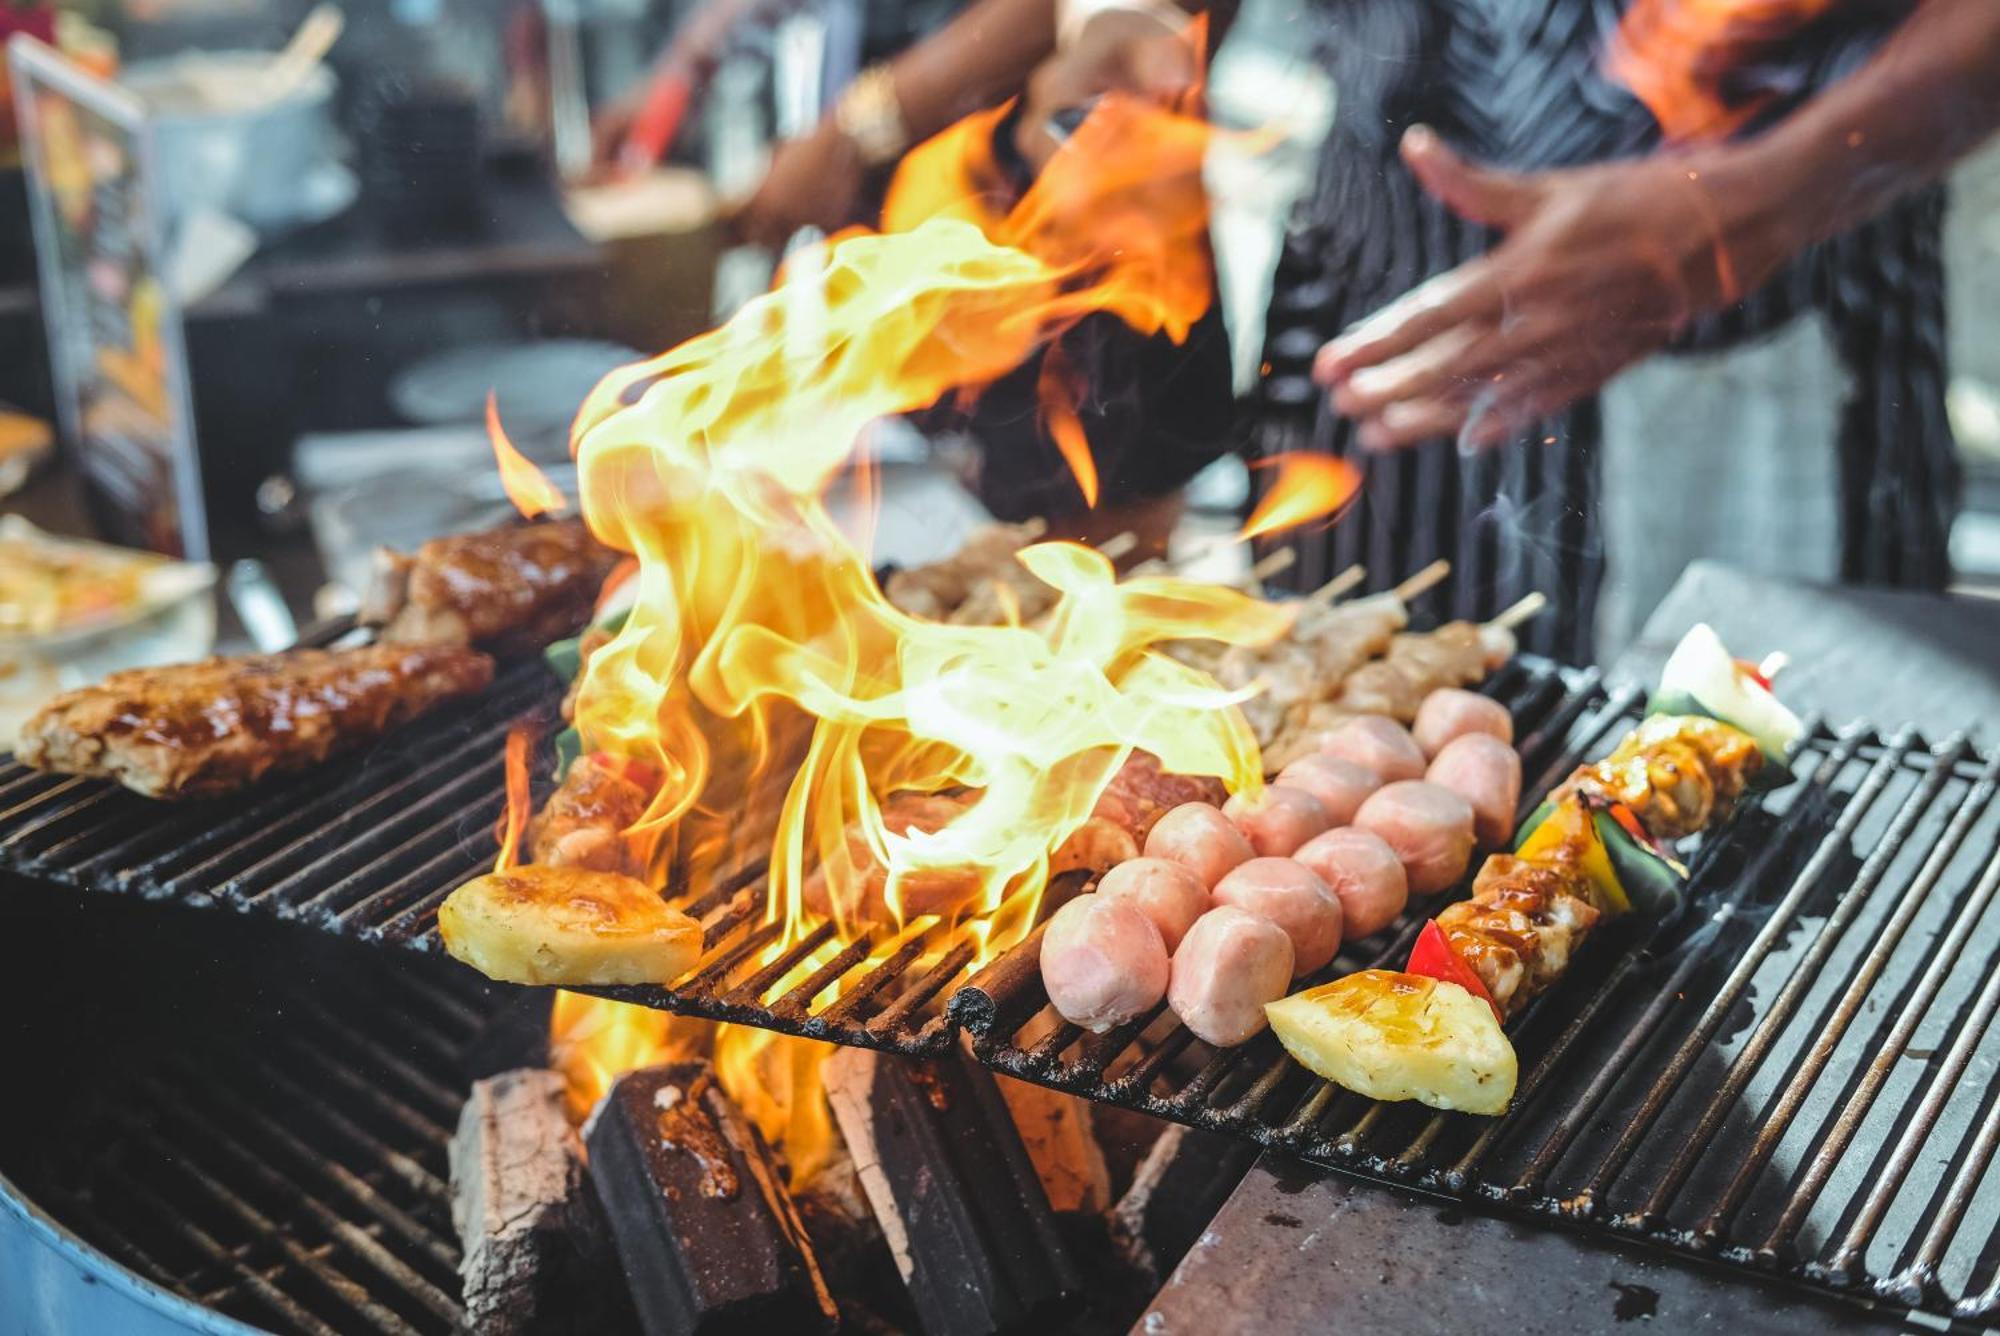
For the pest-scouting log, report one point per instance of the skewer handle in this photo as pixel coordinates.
(1275, 564)
(1524, 611)
(1423, 581)
(1118, 545)
(1338, 585)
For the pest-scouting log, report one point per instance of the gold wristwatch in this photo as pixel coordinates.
(871, 117)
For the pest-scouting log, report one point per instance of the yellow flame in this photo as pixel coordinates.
(708, 464)
(514, 820)
(526, 486)
(1309, 487)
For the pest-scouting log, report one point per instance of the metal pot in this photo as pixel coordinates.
(274, 165)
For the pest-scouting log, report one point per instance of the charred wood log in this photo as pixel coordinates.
(536, 1259)
(1180, 1185)
(698, 1210)
(954, 1191)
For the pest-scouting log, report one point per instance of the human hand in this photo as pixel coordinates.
(811, 181)
(1601, 265)
(1120, 50)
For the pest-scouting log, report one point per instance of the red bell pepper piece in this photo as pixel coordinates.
(644, 774)
(1433, 958)
(1753, 672)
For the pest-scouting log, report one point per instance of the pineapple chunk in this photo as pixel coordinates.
(542, 924)
(1397, 1036)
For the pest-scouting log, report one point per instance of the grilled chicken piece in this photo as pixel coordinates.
(199, 729)
(1141, 793)
(938, 589)
(510, 590)
(1678, 773)
(1520, 927)
(583, 824)
(565, 925)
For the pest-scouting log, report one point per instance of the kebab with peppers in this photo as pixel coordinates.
(1598, 849)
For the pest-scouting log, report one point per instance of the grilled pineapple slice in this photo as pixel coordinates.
(564, 925)
(1396, 1036)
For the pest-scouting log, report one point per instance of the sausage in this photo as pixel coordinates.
(1289, 894)
(1103, 962)
(1486, 772)
(1377, 744)
(1428, 826)
(1229, 965)
(1278, 820)
(1201, 839)
(1168, 893)
(1363, 873)
(1341, 786)
(1452, 712)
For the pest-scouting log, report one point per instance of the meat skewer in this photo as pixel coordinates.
(1432, 1032)
(200, 729)
(509, 590)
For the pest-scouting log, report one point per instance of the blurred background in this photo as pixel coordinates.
(360, 220)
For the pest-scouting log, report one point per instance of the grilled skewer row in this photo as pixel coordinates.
(1595, 849)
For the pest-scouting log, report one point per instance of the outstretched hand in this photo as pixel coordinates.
(1600, 266)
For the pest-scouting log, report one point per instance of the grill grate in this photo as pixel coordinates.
(1799, 1077)
(368, 847)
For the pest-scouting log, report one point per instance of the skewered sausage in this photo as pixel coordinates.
(1229, 965)
(1341, 786)
(1278, 820)
(1428, 826)
(1365, 875)
(1486, 772)
(1170, 894)
(1103, 962)
(1290, 895)
(1201, 839)
(1452, 712)
(1377, 744)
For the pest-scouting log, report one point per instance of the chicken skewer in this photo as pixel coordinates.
(1412, 666)
(1432, 1032)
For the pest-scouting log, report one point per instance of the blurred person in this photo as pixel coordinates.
(1499, 226)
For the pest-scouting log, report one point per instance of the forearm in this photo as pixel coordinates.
(1930, 96)
(981, 57)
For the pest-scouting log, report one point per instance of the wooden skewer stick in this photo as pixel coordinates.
(1277, 563)
(1032, 529)
(1338, 585)
(1423, 581)
(1118, 545)
(1524, 611)
(1774, 663)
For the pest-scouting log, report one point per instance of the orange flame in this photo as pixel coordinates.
(775, 1079)
(1058, 393)
(513, 821)
(526, 486)
(759, 645)
(1677, 57)
(708, 464)
(1309, 487)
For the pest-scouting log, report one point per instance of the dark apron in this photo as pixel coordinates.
(1517, 83)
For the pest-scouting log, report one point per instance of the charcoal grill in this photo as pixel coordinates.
(1797, 1077)
(266, 1139)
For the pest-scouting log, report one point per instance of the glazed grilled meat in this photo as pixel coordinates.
(1520, 927)
(510, 590)
(1679, 774)
(198, 729)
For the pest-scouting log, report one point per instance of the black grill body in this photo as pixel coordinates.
(1795, 1077)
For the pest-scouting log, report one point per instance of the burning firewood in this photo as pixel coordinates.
(536, 1258)
(953, 1189)
(697, 1206)
(1056, 1130)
